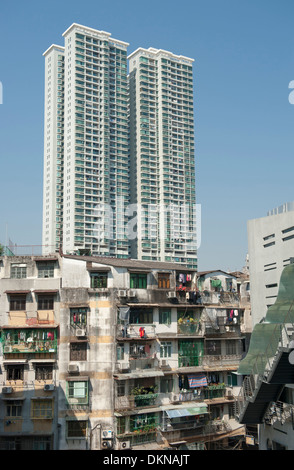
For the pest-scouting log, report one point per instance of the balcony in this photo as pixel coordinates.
(204, 393)
(218, 298)
(222, 326)
(135, 332)
(130, 402)
(209, 361)
(189, 326)
(29, 341)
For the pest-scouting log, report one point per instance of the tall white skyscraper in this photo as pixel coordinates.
(53, 197)
(119, 169)
(87, 178)
(162, 156)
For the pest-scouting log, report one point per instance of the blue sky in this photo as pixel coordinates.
(244, 123)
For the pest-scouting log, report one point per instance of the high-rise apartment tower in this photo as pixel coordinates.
(86, 164)
(119, 169)
(162, 156)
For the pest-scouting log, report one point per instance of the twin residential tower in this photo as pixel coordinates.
(119, 165)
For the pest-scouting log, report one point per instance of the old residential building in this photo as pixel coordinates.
(103, 353)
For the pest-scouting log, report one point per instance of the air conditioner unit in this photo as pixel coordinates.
(7, 390)
(122, 293)
(172, 294)
(107, 434)
(7, 349)
(132, 293)
(106, 445)
(163, 363)
(49, 387)
(123, 366)
(124, 445)
(73, 368)
(80, 332)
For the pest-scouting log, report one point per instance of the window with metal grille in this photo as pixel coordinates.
(15, 372)
(44, 372)
(78, 351)
(76, 429)
(42, 409)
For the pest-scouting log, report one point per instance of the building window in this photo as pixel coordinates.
(141, 315)
(44, 372)
(121, 425)
(231, 349)
(121, 388)
(17, 302)
(18, 271)
(78, 351)
(213, 348)
(98, 280)
(14, 408)
(138, 281)
(165, 349)
(45, 302)
(42, 409)
(165, 316)
(76, 429)
(78, 392)
(78, 317)
(46, 270)
(166, 385)
(120, 352)
(163, 281)
(15, 372)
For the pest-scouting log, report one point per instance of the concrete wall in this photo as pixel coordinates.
(268, 255)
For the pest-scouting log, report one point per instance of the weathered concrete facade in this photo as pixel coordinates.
(101, 352)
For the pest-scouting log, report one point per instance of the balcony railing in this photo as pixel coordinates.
(209, 360)
(189, 327)
(222, 327)
(279, 411)
(34, 346)
(218, 298)
(136, 331)
(204, 393)
(130, 402)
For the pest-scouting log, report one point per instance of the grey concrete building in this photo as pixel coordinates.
(270, 248)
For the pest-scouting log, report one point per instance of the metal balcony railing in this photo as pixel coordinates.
(280, 411)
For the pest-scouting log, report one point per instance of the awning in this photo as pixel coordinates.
(44, 259)
(99, 269)
(48, 291)
(23, 292)
(184, 412)
(139, 270)
(139, 374)
(30, 327)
